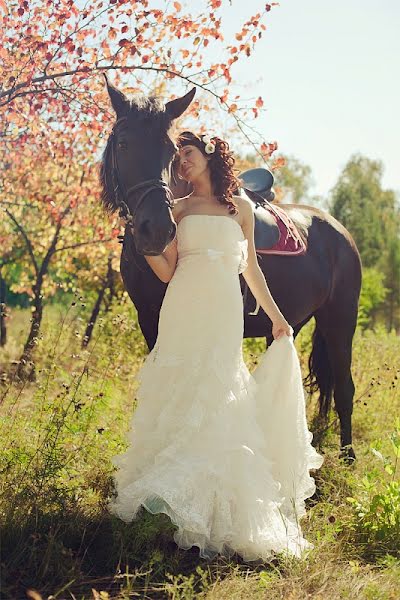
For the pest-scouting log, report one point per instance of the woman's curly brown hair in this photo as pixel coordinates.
(224, 182)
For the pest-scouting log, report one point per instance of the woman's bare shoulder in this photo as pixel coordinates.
(244, 206)
(241, 200)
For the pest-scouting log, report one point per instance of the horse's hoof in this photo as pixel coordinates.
(347, 454)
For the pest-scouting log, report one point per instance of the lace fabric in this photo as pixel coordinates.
(224, 452)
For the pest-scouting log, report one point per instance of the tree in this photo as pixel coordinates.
(108, 287)
(358, 201)
(50, 199)
(55, 72)
(392, 277)
(373, 293)
(372, 215)
(12, 251)
(292, 180)
(292, 177)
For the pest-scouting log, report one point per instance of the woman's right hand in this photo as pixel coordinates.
(281, 327)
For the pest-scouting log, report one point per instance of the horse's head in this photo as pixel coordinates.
(136, 167)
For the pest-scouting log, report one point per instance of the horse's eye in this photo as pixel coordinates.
(122, 145)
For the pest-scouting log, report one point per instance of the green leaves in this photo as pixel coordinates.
(376, 509)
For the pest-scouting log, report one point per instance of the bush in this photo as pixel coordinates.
(376, 510)
(373, 293)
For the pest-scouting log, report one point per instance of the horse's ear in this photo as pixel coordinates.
(175, 108)
(118, 100)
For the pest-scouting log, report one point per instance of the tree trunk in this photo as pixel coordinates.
(390, 324)
(107, 284)
(110, 285)
(3, 313)
(26, 366)
(93, 317)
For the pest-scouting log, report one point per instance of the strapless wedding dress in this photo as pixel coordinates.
(225, 453)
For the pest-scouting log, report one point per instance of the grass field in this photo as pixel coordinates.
(59, 432)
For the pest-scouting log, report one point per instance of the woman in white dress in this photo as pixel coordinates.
(225, 453)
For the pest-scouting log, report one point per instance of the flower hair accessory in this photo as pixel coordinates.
(209, 145)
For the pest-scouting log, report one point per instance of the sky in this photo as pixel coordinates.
(329, 74)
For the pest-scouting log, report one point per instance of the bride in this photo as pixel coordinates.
(225, 453)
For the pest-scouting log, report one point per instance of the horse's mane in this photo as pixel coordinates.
(147, 109)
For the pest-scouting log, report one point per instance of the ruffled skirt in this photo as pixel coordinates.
(225, 453)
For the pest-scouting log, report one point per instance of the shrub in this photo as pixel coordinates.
(376, 509)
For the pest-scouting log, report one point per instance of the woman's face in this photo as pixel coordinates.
(191, 163)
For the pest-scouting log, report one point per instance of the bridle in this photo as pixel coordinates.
(121, 194)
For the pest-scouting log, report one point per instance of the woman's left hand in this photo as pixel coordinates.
(281, 327)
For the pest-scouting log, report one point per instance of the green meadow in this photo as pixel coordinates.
(59, 431)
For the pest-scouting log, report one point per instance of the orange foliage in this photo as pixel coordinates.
(68, 48)
(56, 111)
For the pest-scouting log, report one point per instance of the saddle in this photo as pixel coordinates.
(274, 230)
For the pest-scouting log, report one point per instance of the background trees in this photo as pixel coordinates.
(372, 215)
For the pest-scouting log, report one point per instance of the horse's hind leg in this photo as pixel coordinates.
(338, 331)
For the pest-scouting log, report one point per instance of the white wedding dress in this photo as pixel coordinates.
(224, 452)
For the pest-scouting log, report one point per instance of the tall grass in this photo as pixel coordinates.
(59, 433)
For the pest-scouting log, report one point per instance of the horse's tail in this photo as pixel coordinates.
(320, 377)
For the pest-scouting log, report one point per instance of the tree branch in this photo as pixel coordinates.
(26, 239)
(83, 244)
(10, 91)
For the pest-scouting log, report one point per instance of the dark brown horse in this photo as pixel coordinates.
(324, 283)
